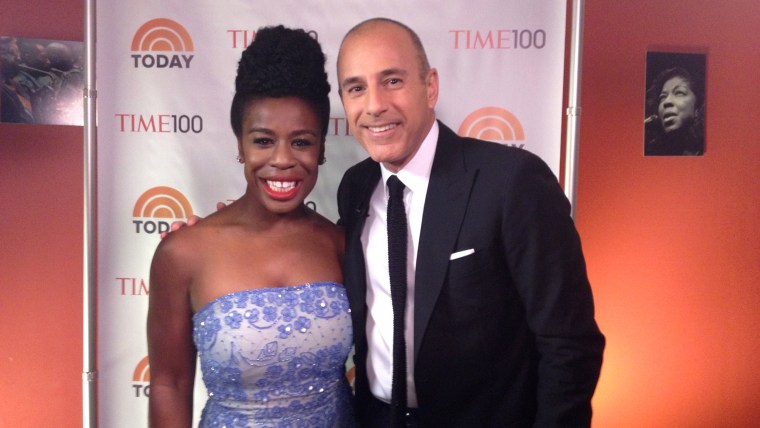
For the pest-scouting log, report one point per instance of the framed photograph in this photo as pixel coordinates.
(674, 113)
(42, 81)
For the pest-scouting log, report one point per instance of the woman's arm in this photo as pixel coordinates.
(171, 351)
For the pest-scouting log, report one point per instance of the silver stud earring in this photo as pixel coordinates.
(239, 159)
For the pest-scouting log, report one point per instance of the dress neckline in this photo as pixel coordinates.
(297, 287)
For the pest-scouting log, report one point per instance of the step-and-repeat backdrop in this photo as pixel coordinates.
(165, 80)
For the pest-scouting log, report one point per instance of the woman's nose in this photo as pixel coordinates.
(282, 155)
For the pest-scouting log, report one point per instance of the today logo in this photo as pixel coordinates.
(157, 204)
(493, 124)
(162, 35)
(141, 378)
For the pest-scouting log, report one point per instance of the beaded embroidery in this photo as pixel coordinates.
(275, 357)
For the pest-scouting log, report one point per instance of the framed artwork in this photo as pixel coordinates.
(42, 81)
(674, 113)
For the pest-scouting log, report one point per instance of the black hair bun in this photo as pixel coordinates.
(283, 62)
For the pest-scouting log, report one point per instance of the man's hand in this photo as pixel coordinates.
(177, 225)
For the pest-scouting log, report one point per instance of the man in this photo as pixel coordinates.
(16, 99)
(500, 326)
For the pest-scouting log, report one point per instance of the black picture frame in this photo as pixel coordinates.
(675, 104)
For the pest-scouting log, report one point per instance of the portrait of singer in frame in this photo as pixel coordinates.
(41, 81)
(674, 121)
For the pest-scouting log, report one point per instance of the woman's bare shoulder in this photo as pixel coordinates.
(329, 230)
(183, 246)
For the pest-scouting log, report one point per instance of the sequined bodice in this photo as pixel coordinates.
(275, 357)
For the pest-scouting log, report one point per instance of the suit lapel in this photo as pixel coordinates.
(360, 206)
(355, 265)
(445, 206)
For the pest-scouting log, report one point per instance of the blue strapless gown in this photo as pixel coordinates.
(275, 357)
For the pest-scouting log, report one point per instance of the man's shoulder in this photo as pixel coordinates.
(485, 154)
(360, 172)
(357, 178)
(362, 167)
(486, 150)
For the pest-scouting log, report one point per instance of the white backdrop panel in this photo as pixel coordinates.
(163, 126)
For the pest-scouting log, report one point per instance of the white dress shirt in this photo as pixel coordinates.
(415, 176)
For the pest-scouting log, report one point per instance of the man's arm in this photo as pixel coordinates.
(544, 253)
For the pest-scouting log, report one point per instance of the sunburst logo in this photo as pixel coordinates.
(141, 379)
(162, 35)
(161, 204)
(142, 371)
(493, 124)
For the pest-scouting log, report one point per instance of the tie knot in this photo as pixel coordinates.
(395, 186)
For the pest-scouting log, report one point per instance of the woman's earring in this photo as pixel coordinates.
(239, 159)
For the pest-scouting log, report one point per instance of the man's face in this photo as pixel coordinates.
(389, 104)
(10, 57)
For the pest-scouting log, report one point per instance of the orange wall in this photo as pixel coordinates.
(41, 199)
(672, 245)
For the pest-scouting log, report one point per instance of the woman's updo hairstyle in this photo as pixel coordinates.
(282, 62)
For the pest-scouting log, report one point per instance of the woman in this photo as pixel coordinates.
(255, 289)
(675, 124)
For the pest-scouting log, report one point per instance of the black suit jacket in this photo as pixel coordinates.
(505, 336)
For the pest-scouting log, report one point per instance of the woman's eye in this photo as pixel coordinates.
(262, 141)
(302, 143)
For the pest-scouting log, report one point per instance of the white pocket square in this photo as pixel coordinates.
(460, 254)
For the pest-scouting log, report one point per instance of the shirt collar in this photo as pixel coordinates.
(416, 174)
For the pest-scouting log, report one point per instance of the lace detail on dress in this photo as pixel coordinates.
(275, 357)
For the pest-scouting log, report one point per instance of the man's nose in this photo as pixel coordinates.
(377, 101)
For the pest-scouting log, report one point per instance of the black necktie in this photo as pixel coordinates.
(397, 269)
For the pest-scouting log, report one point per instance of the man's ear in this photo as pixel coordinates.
(432, 87)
